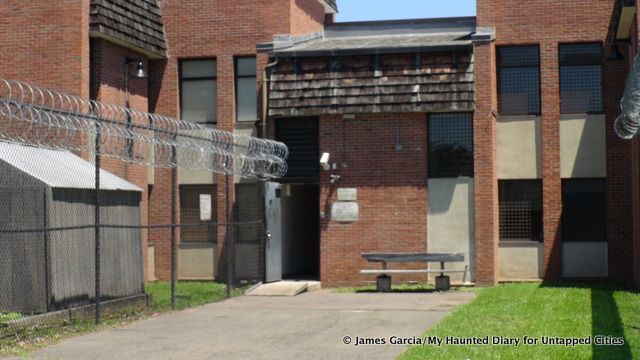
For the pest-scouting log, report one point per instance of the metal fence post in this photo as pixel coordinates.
(174, 275)
(228, 232)
(97, 221)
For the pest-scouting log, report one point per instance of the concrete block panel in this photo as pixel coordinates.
(450, 225)
(195, 261)
(151, 263)
(582, 146)
(584, 259)
(193, 177)
(519, 150)
(520, 261)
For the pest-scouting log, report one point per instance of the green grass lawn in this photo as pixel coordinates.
(536, 310)
(188, 294)
(4, 317)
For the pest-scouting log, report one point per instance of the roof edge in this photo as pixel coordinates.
(372, 51)
(403, 21)
(154, 55)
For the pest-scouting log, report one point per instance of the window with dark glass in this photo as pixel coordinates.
(198, 86)
(450, 145)
(584, 215)
(519, 80)
(520, 210)
(581, 78)
(246, 89)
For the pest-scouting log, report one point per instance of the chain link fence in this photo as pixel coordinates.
(83, 235)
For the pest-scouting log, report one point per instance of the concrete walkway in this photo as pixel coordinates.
(309, 326)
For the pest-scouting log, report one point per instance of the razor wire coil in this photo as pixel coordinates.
(54, 120)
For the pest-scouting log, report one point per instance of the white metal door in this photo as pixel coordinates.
(273, 248)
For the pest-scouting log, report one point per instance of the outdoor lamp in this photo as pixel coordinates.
(140, 73)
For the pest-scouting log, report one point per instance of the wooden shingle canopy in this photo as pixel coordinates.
(135, 24)
(396, 66)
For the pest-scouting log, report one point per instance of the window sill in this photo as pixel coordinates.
(523, 243)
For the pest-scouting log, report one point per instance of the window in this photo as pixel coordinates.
(581, 78)
(450, 145)
(519, 80)
(198, 90)
(520, 210)
(584, 215)
(190, 213)
(246, 90)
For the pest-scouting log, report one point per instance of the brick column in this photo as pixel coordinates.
(620, 177)
(551, 178)
(226, 113)
(485, 177)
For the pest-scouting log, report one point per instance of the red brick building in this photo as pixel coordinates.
(491, 136)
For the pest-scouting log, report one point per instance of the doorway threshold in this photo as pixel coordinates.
(284, 288)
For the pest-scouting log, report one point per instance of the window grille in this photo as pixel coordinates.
(190, 213)
(450, 145)
(519, 80)
(520, 210)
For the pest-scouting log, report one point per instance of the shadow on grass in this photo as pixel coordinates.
(403, 289)
(397, 291)
(605, 317)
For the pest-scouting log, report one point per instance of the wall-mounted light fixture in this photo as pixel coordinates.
(139, 73)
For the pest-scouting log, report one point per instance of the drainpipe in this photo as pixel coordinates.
(265, 96)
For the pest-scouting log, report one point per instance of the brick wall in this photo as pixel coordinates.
(108, 86)
(307, 16)
(222, 30)
(46, 43)
(548, 23)
(392, 191)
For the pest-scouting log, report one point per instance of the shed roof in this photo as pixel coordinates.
(60, 169)
(398, 36)
(136, 23)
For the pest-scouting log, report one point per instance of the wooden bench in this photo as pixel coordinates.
(383, 283)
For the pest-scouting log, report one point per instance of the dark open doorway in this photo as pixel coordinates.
(300, 232)
(300, 199)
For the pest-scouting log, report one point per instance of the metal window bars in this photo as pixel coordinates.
(45, 118)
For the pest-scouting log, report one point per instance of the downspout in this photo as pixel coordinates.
(265, 96)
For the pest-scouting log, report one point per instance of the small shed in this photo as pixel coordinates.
(47, 233)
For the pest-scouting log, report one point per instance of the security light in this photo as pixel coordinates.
(140, 73)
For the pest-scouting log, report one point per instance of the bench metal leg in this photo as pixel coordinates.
(383, 283)
(443, 283)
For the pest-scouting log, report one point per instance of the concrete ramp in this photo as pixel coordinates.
(284, 288)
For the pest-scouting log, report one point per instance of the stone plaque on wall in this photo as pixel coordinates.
(205, 207)
(347, 194)
(343, 211)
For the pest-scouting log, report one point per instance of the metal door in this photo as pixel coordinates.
(273, 248)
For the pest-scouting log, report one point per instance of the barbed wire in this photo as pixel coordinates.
(50, 119)
(627, 124)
